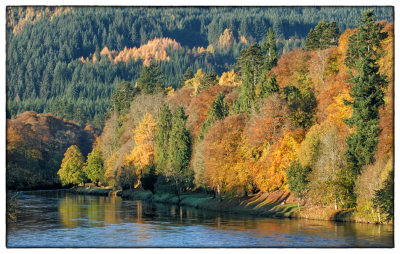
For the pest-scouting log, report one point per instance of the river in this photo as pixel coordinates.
(62, 219)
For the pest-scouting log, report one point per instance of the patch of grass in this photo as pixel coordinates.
(197, 200)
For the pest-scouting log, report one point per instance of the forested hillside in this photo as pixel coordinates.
(240, 116)
(68, 61)
(36, 144)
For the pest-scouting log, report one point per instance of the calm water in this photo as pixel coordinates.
(61, 219)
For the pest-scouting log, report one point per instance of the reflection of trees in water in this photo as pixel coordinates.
(148, 217)
(98, 210)
(70, 211)
(112, 209)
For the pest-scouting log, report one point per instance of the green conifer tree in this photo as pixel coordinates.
(219, 110)
(269, 87)
(269, 49)
(179, 152)
(367, 93)
(162, 137)
(151, 79)
(249, 63)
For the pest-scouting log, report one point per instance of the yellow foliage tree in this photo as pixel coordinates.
(272, 167)
(226, 40)
(196, 81)
(229, 78)
(142, 154)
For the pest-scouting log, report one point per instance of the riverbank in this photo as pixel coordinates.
(279, 204)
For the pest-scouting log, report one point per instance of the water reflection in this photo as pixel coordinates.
(64, 219)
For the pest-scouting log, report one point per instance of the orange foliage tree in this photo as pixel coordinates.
(223, 171)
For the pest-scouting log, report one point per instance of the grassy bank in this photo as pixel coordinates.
(278, 204)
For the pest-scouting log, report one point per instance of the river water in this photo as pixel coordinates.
(62, 219)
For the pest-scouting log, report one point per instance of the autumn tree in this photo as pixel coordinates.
(224, 169)
(71, 171)
(162, 137)
(94, 169)
(142, 155)
(151, 79)
(219, 110)
(367, 95)
(179, 152)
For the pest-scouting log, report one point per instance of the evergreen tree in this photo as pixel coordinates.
(384, 197)
(367, 92)
(189, 74)
(269, 49)
(302, 104)
(162, 137)
(151, 79)
(219, 110)
(94, 169)
(179, 151)
(311, 41)
(209, 79)
(149, 178)
(122, 97)
(271, 86)
(71, 171)
(323, 36)
(249, 63)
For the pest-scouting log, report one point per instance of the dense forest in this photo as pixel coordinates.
(242, 115)
(73, 73)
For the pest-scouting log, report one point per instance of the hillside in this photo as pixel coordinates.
(247, 119)
(302, 126)
(46, 69)
(36, 144)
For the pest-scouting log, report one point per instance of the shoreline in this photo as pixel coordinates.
(272, 205)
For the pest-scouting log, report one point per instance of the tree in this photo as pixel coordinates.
(323, 36)
(142, 155)
(151, 79)
(94, 169)
(311, 41)
(179, 152)
(367, 95)
(122, 97)
(269, 87)
(297, 180)
(302, 105)
(149, 177)
(162, 138)
(71, 171)
(219, 110)
(384, 197)
(249, 63)
(189, 74)
(269, 49)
